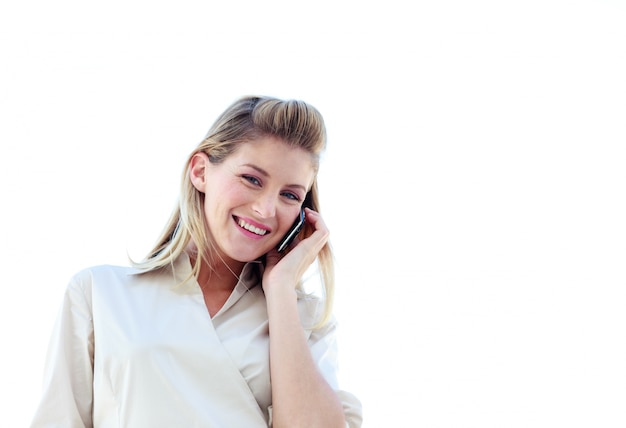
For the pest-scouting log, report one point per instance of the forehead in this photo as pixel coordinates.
(276, 158)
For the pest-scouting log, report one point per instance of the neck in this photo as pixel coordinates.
(220, 275)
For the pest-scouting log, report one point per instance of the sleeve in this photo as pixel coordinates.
(67, 395)
(323, 345)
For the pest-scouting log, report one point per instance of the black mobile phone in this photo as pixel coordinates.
(293, 232)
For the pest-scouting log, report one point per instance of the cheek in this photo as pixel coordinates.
(288, 217)
(224, 199)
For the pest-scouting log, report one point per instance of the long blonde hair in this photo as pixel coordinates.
(296, 123)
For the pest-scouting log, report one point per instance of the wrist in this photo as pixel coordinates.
(280, 290)
(280, 296)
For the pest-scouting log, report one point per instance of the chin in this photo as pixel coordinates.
(245, 256)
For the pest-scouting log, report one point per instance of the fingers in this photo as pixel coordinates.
(309, 248)
(306, 249)
(288, 267)
(315, 219)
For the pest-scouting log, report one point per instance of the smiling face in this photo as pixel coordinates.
(253, 196)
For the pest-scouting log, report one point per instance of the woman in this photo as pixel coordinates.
(213, 329)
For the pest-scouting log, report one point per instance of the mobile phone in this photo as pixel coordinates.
(293, 232)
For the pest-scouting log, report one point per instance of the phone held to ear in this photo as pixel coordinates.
(293, 232)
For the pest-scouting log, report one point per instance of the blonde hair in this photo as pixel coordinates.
(294, 122)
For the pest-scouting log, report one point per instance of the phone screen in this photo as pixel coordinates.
(293, 232)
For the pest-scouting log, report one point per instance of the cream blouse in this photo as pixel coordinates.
(138, 349)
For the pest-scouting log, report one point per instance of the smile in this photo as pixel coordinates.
(251, 228)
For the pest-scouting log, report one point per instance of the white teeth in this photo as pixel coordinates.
(252, 228)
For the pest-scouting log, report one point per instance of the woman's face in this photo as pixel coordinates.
(253, 196)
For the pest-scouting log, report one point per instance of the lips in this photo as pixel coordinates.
(251, 228)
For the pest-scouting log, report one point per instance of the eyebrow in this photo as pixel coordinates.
(266, 174)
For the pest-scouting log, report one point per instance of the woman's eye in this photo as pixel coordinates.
(252, 180)
(292, 196)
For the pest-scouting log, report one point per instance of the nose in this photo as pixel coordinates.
(265, 206)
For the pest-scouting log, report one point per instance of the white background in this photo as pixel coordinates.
(474, 185)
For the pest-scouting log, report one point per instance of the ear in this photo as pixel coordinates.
(197, 170)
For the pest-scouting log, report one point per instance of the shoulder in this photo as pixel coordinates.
(94, 273)
(93, 277)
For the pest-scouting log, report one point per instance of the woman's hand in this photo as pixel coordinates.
(284, 270)
(300, 394)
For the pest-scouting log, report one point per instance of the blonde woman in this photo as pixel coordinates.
(212, 329)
